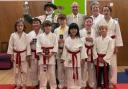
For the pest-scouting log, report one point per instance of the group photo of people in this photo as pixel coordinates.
(74, 51)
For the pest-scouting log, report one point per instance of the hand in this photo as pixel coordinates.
(61, 41)
(101, 60)
(70, 61)
(115, 50)
(82, 61)
(61, 61)
(12, 57)
(50, 54)
(31, 43)
(90, 39)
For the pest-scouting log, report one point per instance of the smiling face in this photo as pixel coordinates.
(88, 23)
(106, 11)
(103, 30)
(49, 10)
(95, 9)
(73, 32)
(36, 25)
(75, 9)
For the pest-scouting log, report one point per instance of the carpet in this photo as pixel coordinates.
(122, 77)
(11, 86)
(122, 86)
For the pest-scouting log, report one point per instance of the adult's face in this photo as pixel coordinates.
(106, 11)
(49, 10)
(95, 9)
(75, 9)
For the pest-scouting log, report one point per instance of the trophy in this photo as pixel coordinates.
(34, 41)
(26, 7)
(61, 36)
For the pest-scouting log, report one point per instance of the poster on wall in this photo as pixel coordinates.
(65, 6)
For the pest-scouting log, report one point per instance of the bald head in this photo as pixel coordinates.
(75, 8)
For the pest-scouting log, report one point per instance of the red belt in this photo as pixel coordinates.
(44, 57)
(97, 69)
(113, 36)
(34, 51)
(74, 60)
(18, 56)
(90, 48)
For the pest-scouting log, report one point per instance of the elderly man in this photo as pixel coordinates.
(75, 16)
(49, 12)
(49, 15)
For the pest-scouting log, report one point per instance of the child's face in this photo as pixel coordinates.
(20, 27)
(36, 25)
(73, 31)
(47, 29)
(103, 30)
(62, 21)
(88, 23)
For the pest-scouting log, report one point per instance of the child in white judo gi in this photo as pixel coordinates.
(19, 49)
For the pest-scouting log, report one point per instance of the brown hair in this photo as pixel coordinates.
(17, 22)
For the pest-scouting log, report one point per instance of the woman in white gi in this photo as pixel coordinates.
(87, 70)
(103, 51)
(95, 10)
(73, 54)
(62, 33)
(47, 47)
(33, 69)
(19, 49)
(115, 33)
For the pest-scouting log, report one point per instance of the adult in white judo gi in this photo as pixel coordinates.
(115, 33)
(95, 10)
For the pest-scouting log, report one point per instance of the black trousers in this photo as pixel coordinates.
(100, 76)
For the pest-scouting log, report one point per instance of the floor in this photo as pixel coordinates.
(6, 76)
